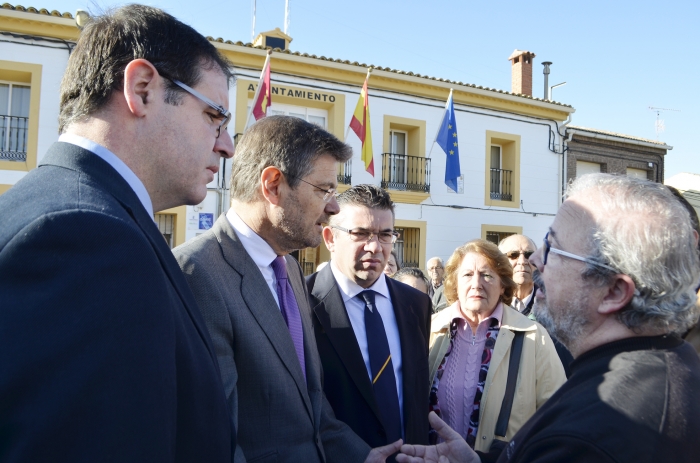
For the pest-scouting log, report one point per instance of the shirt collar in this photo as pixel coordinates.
(117, 164)
(258, 249)
(350, 289)
(497, 314)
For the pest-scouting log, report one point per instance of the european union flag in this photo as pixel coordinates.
(447, 140)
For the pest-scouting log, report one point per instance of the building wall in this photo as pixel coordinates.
(615, 157)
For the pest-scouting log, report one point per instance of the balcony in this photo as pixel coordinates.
(405, 173)
(345, 173)
(13, 138)
(502, 184)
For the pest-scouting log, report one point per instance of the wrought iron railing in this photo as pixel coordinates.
(405, 173)
(345, 173)
(501, 184)
(13, 137)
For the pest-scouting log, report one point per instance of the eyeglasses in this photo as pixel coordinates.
(548, 248)
(365, 236)
(515, 255)
(330, 193)
(223, 112)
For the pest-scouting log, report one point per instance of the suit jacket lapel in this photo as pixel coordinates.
(332, 315)
(76, 158)
(261, 303)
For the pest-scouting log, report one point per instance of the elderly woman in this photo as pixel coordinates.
(392, 264)
(471, 347)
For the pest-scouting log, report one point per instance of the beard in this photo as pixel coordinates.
(568, 321)
(295, 233)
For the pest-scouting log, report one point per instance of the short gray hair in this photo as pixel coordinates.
(442, 263)
(644, 232)
(289, 143)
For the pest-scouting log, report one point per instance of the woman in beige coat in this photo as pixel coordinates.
(471, 346)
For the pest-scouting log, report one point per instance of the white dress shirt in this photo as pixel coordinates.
(519, 305)
(110, 158)
(257, 248)
(355, 307)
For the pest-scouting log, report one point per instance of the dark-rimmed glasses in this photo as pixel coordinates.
(548, 248)
(329, 193)
(223, 112)
(365, 236)
(515, 255)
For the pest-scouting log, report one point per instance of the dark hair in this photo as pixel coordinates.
(412, 272)
(109, 42)
(289, 143)
(496, 259)
(369, 196)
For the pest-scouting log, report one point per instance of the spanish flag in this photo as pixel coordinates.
(360, 125)
(263, 95)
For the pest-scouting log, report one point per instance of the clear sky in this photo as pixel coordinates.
(617, 57)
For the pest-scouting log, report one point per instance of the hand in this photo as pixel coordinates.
(380, 454)
(454, 449)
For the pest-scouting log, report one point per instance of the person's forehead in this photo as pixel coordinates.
(214, 85)
(475, 260)
(356, 216)
(574, 223)
(518, 243)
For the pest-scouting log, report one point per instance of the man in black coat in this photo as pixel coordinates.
(616, 277)
(104, 355)
(346, 296)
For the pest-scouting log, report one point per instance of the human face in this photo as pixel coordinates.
(515, 247)
(186, 149)
(479, 287)
(391, 266)
(417, 283)
(304, 210)
(436, 271)
(564, 302)
(360, 261)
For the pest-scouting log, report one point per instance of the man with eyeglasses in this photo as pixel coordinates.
(518, 249)
(371, 330)
(616, 277)
(105, 355)
(255, 303)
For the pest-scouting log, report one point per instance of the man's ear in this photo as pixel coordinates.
(618, 294)
(271, 181)
(140, 84)
(328, 238)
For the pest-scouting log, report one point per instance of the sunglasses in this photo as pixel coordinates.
(514, 255)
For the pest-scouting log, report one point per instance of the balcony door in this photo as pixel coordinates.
(397, 147)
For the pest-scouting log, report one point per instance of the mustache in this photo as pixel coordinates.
(537, 279)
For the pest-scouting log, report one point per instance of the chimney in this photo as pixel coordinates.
(521, 67)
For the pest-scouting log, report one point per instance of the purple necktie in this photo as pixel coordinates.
(290, 309)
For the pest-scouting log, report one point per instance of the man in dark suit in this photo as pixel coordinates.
(361, 317)
(253, 297)
(104, 355)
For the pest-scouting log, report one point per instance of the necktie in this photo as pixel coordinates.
(290, 309)
(383, 378)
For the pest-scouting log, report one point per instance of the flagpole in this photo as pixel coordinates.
(437, 132)
(347, 131)
(257, 91)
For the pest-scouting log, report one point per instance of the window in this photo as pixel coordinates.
(502, 169)
(584, 167)
(639, 173)
(397, 149)
(404, 165)
(166, 226)
(496, 233)
(313, 115)
(407, 246)
(14, 120)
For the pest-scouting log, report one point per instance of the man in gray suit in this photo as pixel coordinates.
(254, 300)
